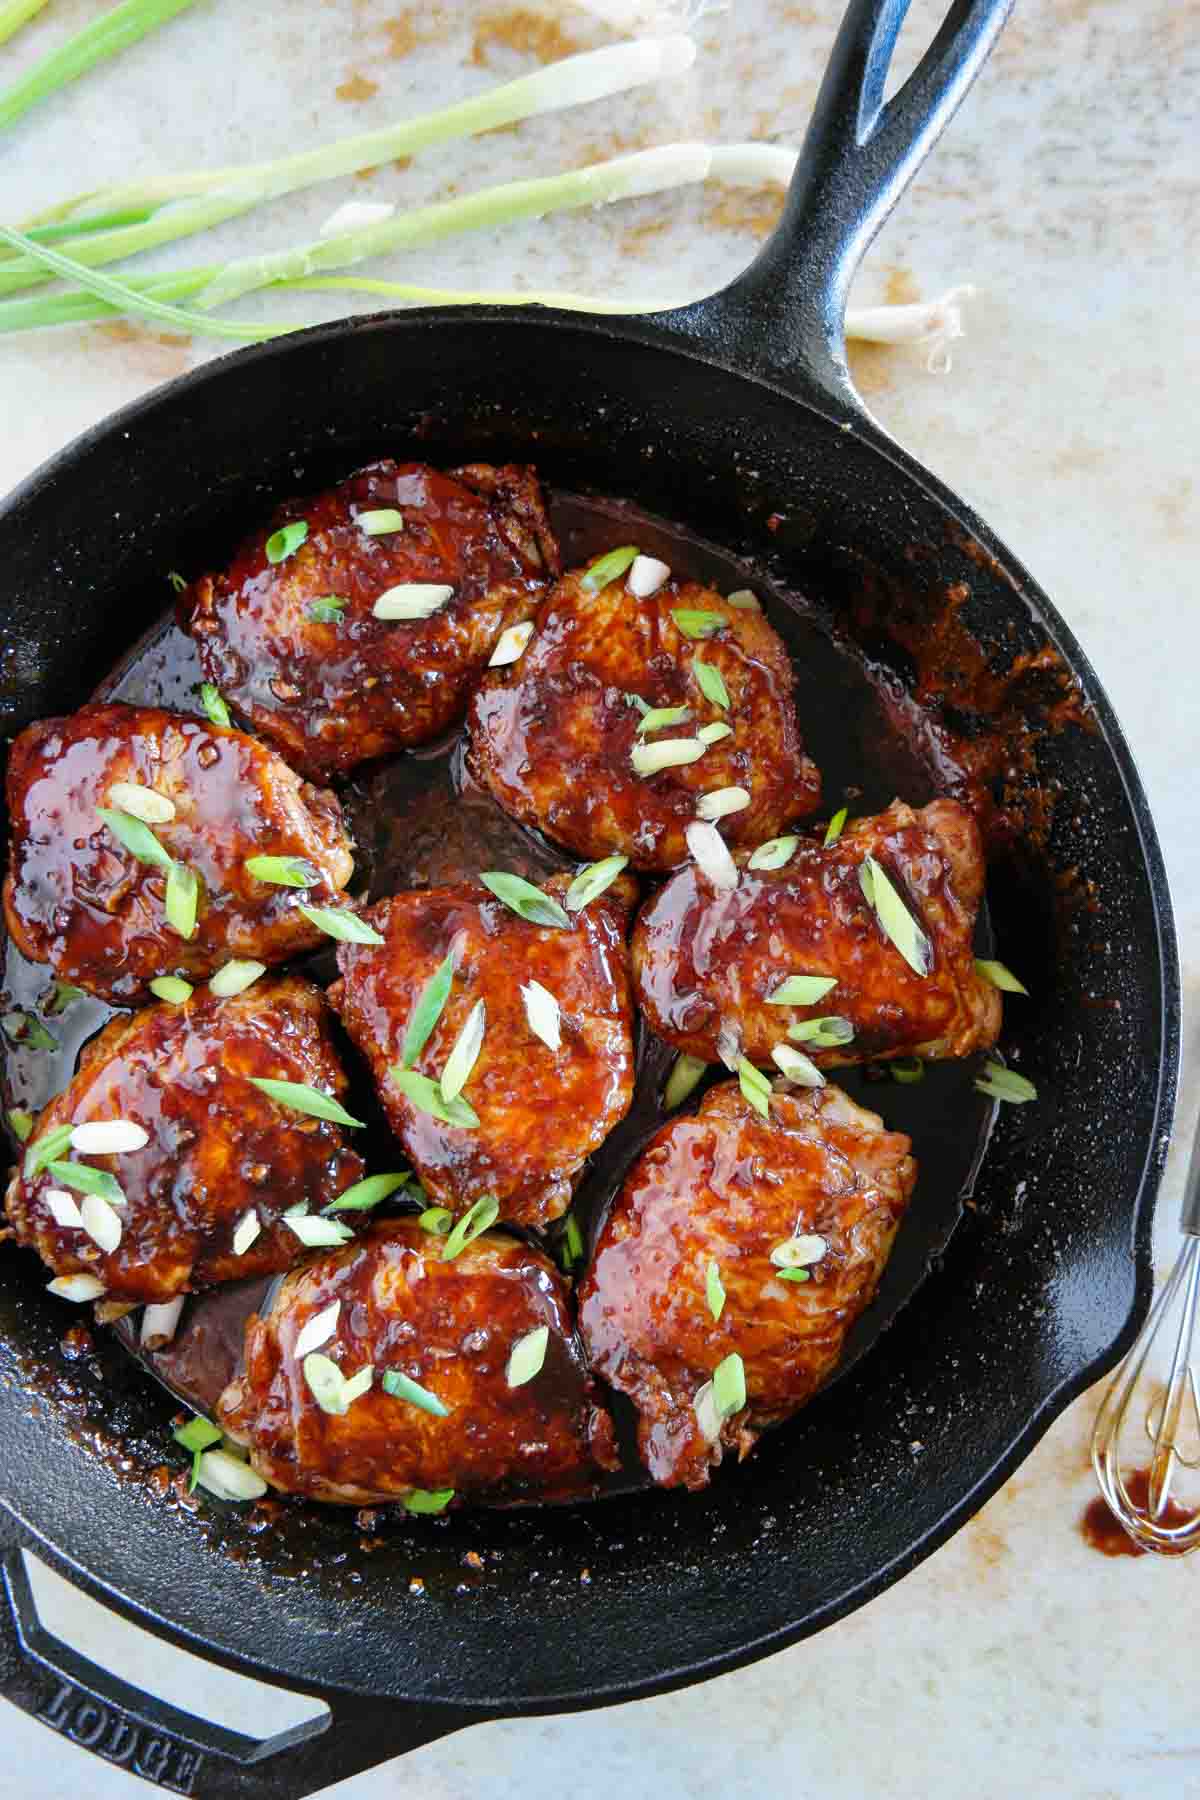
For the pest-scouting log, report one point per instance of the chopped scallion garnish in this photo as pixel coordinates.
(694, 622)
(46, 1150)
(833, 830)
(20, 1123)
(711, 683)
(906, 1070)
(424, 1500)
(136, 837)
(182, 901)
(657, 718)
(774, 854)
(823, 1034)
(213, 702)
(339, 922)
(302, 1099)
(464, 1053)
(796, 1066)
(412, 600)
(288, 539)
(429, 1008)
(801, 990)
(686, 1072)
(86, 1180)
(729, 1386)
(528, 902)
(197, 1434)
(235, 977)
(327, 610)
(542, 1014)
(755, 1086)
(368, 1193)
(999, 1083)
(591, 882)
(22, 1028)
(665, 753)
(380, 522)
(171, 988)
(999, 976)
(713, 734)
(402, 1387)
(571, 1243)
(176, 580)
(65, 994)
(607, 568)
(427, 1097)
(895, 920)
(436, 1220)
(527, 1356)
(282, 871)
(720, 802)
(475, 1220)
(714, 1290)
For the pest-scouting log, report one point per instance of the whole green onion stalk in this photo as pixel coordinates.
(106, 36)
(16, 14)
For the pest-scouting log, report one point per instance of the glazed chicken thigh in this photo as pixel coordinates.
(465, 1394)
(530, 1111)
(796, 1216)
(569, 738)
(209, 1162)
(79, 897)
(358, 620)
(707, 960)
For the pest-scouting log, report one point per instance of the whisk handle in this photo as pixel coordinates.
(1189, 1216)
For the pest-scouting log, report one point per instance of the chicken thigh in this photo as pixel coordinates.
(209, 1163)
(624, 713)
(359, 619)
(734, 1262)
(710, 963)
(476, 1384)
(90, 895)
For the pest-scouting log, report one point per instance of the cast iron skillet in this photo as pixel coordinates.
(736, 418)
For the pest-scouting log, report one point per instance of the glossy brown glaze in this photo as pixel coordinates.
(552, 737)
(450, 1327)
(702, 957)
(76, 898)
(726, 1187)
(336, 694)
(541, 1112)
(218, 1146)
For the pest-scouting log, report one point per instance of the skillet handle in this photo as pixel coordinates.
(175, 1750)
(783, 316)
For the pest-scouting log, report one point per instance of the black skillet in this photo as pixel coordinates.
(735, 419)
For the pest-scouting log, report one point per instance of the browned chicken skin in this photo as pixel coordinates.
(448, 1326)
(218, 1148)
(552, 737)
(541, 1111)
(702, 957)
(74, 895)
(334, 691)
(726, 1187)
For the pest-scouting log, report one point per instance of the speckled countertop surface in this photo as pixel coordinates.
(1016, 1660)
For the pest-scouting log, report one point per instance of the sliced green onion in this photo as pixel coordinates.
(325, 1382)
(173, 576)
(607, 568)
(427, 1097)
(436, 1220)
(906, 1070)
(380, 522)
(665, 753)
(646, 576)
(286, 540)
(109, 1137)
(528, 902)
(511, 645)
(412, 600)
(542, 1014)
(712, 734)
(826, 1034)
(657, 718)
(428, 1010)
(744, 600)
(367, 1193)
(65, 994)
(213, 702)
(999, 976)
(228, 1477)
(425, 1500)
(46, 1150)
(999, 1083)
(235, 977)
(591, 882)
(338, 922)
(86, 1180)
(327, 610)
(895, 920)
(694, 622)
(247, 1230)
(136, 837)
(464, 1054)
(401, 1387)
(796, 1066)
(792, 1275)
(801, 990)
(712, 685)
(729, 1385)
(774, 854)
(527, 1356)
(20, 1123)
(714, 1290)
(358, 1384)
(302, 1099)
(571, 1244)
(143, 803)
(197, 1434)
(171, 988)
(799, 1251)
(77, 1288)
(63, 1209)
(686, 1072)
(22, 1028)
(635, 700)
(755, 1086)
(720, 802)
(282, 871)
(475, 1220)
(317, 1330)
(182, 900)
(833, 830)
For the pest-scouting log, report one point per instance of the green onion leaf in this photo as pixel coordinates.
(686, 1072)
(428, 1010)
(773, 854)
(906, 1070)
(825, 1034)
(22, 1028)
(999, 976)
(380, 522)
(288, 538)
(711, 684)
(833, 830)
(755, 1086)
(792, 1275)
(796, 1066)
(327, 610)
(171, 988)
(999, 1083)
(591, 882)
(282, 871)
(527, 1355)
(137, 838)
(528, 902)
(20, 1123)
(895, 920)
(571, 1243)
(729, 1386)
(183, 899)
(401, 1387)
(47, 1150)
(197, 1434)
(607, 568)
(464, 1054)
(303, 1099)
(712, 734)
(423, 1500)
(213, 702)
(64, 995)
(696, 623)
(476, 1219)
(714, 1290)
(86, 1180)
(427, 1097)
(643, 706)
(657, 718)
(436, 1220)
(338, 922)
(367, 1193)
(325, 1382)
(176, 580)
(801, 990)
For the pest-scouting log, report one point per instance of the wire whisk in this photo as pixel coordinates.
(1160, 1524)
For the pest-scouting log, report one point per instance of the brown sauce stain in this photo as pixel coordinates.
(742, 209)
(1100, 1528)
(1175, 508)
(412, 28)
(872, 368)
(901, 287)
(356, 87)
(989, 1548)
(153, 355)
(529, 33)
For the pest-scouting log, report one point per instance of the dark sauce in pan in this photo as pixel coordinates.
(419, 821)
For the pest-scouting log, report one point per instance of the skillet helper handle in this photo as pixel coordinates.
(175, 1750)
